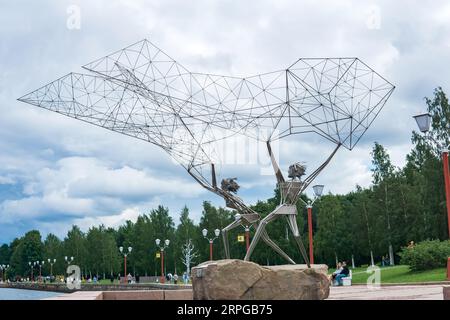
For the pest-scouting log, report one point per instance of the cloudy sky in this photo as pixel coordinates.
(55, 171)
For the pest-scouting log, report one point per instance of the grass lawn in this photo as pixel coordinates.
(400, 274)
(104, 282)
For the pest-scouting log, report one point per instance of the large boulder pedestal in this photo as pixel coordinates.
(233, 279)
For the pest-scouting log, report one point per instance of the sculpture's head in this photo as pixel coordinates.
(229, 185)
(296, 170)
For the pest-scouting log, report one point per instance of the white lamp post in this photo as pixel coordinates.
(51, 262)
(424, 123)
(125, 254)
(318, 190)
(161, 249)
(3, 268)
(31, 266)
(68, 261)
(211, 240)
(40, 264)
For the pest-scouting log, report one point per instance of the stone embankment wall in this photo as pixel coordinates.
(62, 287)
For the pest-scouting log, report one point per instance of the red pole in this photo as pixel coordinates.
(162, 266)
(310, 230)
(448, 268)
(247, 238)
(447, 186)
(210, 250)
(125, 279)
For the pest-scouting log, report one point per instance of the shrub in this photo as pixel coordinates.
(425, 255)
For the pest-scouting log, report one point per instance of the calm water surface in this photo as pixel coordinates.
(20, 294)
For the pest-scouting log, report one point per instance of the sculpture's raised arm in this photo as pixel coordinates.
(316, 172)
(275, 166)
(210, 187)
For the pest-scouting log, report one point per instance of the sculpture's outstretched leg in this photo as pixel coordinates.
(274, 246)
(259, 231)
(225, 230)
(292, 221)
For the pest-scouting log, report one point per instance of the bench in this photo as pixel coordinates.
(347, 281)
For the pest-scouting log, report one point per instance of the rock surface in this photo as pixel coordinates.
(241, 280)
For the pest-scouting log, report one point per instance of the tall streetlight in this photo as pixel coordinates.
(211, 240)
(247, 237)
(3, 268)
(424, 122)
(247, 232)
(31, 266)
(161, 249)
(40, 264)
(318, 189)
(68, 261)
(125, 254)
(51, 262)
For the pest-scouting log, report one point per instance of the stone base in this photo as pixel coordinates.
(446, 291)
(241, 280)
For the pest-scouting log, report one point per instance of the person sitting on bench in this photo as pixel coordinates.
(343, 274)
(336, 272)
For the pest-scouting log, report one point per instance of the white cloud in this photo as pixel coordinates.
(88, 187)
(6, 180)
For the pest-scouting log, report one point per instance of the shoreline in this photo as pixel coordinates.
(62, 288)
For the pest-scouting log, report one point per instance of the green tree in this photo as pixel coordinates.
(53, 249)
(186, 231)
(103, 258)
(28, 249)
(141, 238)
(75, 246)
(212, 218)
(163, 228)
(5, 254)
(381, 162)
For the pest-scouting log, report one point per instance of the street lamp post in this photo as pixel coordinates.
(68, 261)
(424, 122)
(40, 264)
(318, 189)
(247, 237)
(31, 266)
(51, 262)
(161, 249)
(125, 254)
(211, 240)
(247, 232)
(3, 268)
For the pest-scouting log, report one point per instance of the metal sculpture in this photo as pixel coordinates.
(246, 216)
(141, 92)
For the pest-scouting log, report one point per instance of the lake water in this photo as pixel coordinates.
(21, 294)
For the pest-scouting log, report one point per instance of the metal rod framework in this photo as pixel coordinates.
(142, 92)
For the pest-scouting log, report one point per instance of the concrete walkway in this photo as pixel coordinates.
(362, 292)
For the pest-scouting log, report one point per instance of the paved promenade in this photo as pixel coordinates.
(356, 292)
(413, 292)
